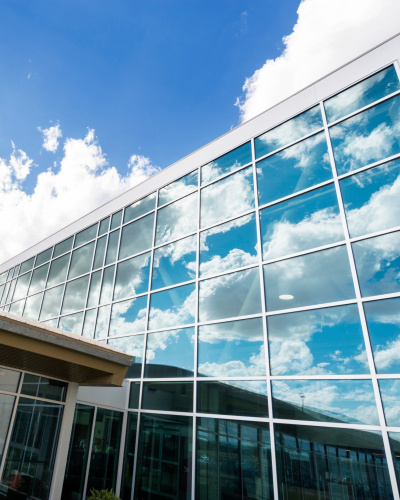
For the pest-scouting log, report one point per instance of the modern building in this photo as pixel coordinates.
(256, 283)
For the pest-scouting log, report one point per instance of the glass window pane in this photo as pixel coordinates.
(78, 453)
(288, 132)
(6, 409)
(81, 261)
(301, 223)
(21, 288)
(11, 290)
(26, 266)
(383, 319)
(140, 207)
(227, 163)
(175, 263)
(51, 303)
(72, 323)
(90, 321)
(38, 280)
(371, 199)
(228, 246)
(116, 220)
(296, 168)
(58, 271)
(366, 92)
(32, 306)
(350, 460)
(17, 307)
(104, 225)
(321, 341)
(310, 279)
(129, 456)
(170, 354)
(367, 137)
(132, 277)
(16, 270)
(86, 235)
(233, 460)
(168, 396)
(105, 450)
(238, 397)
(233, 349)
(102, 323)
(107, 285)
(177, 219)
(42, 387)
(62, 247)
(5, 294)
(134, 394)
(112, 249)
(9, 380)
(217, 199)
(75, 295)
(390, 392)
(235, 294)
(344, 401)
(164, 467)
(178, 189)
(173, 307)
(32, 449)
(129, 316)
(378, 264)
(99, 254)
(133, 346)
(94, 290)
(394, 439)
(136, 237)
(3, 277)
(43, 257)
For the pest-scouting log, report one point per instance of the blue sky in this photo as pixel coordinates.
(157, 78)
(124, 88)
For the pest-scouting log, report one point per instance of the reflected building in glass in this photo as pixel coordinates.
(256, 283)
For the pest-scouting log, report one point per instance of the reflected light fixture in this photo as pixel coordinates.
(286, 297)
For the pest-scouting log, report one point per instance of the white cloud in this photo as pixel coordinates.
(177, 219)
(388, 355)
(236, 258)
(51, 136)
(14, 170)
(321, 227)
(328, 33)
(175, 252)
(81, 182)
(235, 294)
(179, 314)
(235, 368)
(350, 400)
(121, 324)
(381, 211)
(160, 342)
(356, 143)
(216, 200)
(141, 168)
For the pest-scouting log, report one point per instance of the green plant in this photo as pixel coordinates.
(103, 495)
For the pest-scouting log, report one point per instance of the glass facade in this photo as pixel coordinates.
(31, 412)
(259, 295)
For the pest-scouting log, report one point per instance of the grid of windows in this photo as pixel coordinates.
(260, 297)
(31, 411)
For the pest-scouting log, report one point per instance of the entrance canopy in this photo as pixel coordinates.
(31, 346)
